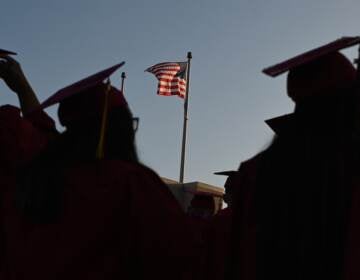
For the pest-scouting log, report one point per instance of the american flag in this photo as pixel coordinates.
(171, 77)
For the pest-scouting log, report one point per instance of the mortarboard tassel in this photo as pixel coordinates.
(104, 120)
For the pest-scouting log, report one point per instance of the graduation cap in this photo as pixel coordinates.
(304, 58)
(6, 52)
(226, 173)
(88, 98)
(231, 180)
(320, 72)
(281, 123)
(80, 86)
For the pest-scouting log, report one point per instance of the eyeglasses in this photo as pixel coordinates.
(135, 123)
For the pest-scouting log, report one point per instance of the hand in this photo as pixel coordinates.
(12, 74)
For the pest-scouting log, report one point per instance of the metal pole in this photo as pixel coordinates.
(186, 104)
(123, 76)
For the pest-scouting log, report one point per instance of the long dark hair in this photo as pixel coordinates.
(304, 189)
(40, 184)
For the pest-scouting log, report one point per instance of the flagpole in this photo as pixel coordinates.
(186, 104)
(123, 76)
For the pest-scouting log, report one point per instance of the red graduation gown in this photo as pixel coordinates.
(242, 262)
(217, 241)
(352, 245)
(119, 221)
(20, 139)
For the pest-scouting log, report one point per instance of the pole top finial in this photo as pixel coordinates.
(123, 75)
(189, 55)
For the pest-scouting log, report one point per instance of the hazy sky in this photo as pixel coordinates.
(59, 42)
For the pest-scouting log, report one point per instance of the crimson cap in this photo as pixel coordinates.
(281, 123)
(80, 86)
(6, 52)
(311, 55)
(226, 173)
(86, 99)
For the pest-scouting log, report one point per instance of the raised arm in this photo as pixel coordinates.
(14, 77)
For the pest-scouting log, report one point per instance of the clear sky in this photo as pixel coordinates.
(59, 42)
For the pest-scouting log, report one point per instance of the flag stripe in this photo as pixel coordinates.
(180, 94)
(171, 87)
(168, 67)
(162, 72)
(163, 76)
(180, 83)
(176, 79)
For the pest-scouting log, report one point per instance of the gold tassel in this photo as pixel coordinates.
(100, 151)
